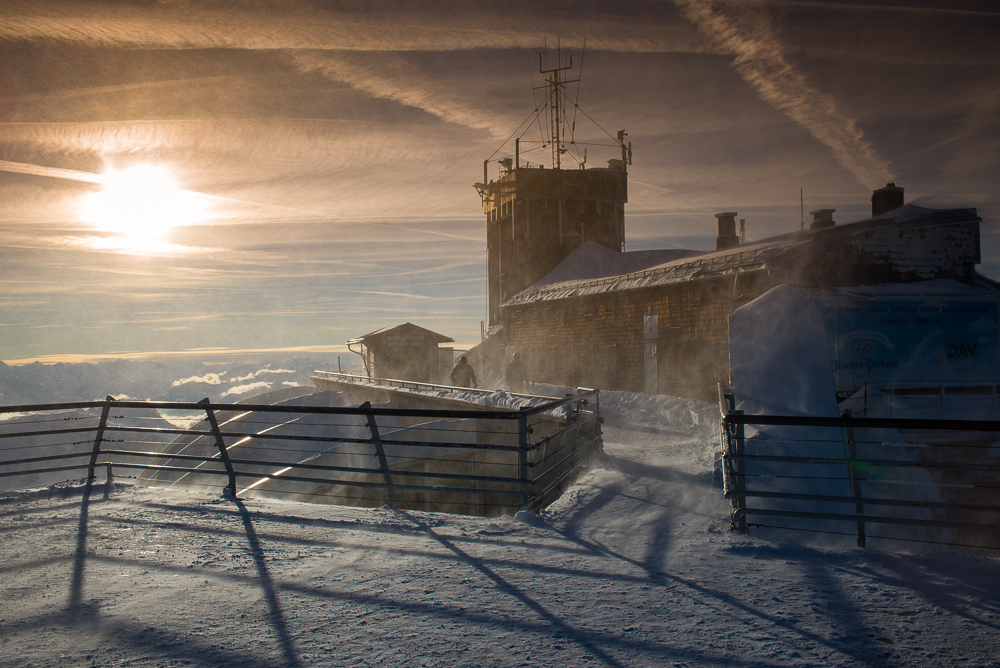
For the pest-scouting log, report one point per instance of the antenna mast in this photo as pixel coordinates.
(556, 86)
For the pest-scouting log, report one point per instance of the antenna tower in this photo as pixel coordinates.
(556, 86)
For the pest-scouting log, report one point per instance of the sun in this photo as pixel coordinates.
(138, 207)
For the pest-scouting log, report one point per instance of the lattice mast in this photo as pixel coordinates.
(556, 87)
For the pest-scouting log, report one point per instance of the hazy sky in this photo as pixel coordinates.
(327, 150)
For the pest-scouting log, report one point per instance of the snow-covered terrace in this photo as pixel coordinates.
(633, 567)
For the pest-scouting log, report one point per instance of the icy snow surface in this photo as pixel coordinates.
(634, 566)
(780, 366)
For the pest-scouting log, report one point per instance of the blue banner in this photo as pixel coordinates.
(911, 340)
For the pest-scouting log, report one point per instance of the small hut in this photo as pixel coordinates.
(405, 352)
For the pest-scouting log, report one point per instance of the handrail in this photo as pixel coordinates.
(230, 441)
(961, 473)
(500, 414)
(870, 422)
(554, 402)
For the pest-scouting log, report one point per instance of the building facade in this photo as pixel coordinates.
(665, 328)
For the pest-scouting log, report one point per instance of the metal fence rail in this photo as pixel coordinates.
(479, 462)
(403, 384)
(928, 481)
(967, 400)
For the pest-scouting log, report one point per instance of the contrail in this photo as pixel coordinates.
(54, 172)
(761, 62)
(91, 177)
(395, 80)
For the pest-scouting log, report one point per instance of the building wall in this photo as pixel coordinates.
(598, 340)
(894, 254)
(407, 352)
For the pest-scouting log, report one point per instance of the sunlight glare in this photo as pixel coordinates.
(140, 205)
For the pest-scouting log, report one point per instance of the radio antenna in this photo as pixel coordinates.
(557, 92)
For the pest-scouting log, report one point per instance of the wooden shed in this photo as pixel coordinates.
(405, 352)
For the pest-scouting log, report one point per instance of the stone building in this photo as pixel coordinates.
(659, 324)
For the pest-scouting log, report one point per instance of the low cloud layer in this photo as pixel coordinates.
(207, 379)
(255, 388)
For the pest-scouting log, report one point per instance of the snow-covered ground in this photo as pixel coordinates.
(634, 566)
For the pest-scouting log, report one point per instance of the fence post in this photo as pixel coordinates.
(597, 420)
(734, 473)
(221, 444)
(522, 458)
(569, 412)
(383, 462)
(852, 473)
(99, 438)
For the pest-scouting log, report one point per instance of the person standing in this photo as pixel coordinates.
(517, 374)
(463, 374)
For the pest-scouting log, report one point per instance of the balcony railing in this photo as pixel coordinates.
(898, 479)
(477, 462)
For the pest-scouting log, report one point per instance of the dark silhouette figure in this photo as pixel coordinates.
(517, 374)
(463, 375)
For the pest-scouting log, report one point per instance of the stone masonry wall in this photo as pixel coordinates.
(597, 340)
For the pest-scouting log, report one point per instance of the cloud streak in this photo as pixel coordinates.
(51, 172)
(745, 32)
(395, 26)
(633, 27)
(395, 80)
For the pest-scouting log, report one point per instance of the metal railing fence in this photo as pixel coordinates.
(363, 380)
(478, 462)
(966, 400)
(393, 382)
(917, 480)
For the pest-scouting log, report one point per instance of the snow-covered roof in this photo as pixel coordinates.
(407, 328)
(592, 270)
(593, 261)
(676, 271)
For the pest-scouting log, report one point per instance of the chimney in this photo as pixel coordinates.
(886, 199)
(822, 218)
(727, 230)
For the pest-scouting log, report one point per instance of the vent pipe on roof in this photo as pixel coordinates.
(886, 199)
(727, 230)
(822, 218)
